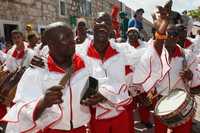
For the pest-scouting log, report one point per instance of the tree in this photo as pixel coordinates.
(195, 13)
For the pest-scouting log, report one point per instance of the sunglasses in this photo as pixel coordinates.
(173, 33)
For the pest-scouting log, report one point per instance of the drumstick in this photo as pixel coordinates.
(66, 77)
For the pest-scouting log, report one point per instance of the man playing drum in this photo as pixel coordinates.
(183, 74)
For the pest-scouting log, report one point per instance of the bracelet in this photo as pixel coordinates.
(160, 36)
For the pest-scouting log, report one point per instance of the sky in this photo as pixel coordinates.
(149, 5)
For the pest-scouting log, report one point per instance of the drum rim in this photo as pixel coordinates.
(186, 119)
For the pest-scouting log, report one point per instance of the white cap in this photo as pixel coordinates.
(132, 29)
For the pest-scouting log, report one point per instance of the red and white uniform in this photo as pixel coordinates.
(56, 119)
(173, 80)
(193, 45)
(112, 74)
(143, 110)
(17, 58)
(44, 52)
(196, 45)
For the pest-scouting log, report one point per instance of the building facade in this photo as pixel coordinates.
(18, 13)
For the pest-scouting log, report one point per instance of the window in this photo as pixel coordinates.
(86, 8)
(62, 7)
(41, 29)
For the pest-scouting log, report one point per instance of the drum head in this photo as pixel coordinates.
(171, 102)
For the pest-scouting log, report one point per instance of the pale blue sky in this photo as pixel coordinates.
(148, 5)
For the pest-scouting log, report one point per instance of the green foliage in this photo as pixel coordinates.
(195, 13)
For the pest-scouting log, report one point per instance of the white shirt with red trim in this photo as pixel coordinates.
(112, 75)
(133, 54)
(196, 45)
(148, 66)
(15, 58)
(172, 78)
(2, 56)
(31, 89)
(112, 84)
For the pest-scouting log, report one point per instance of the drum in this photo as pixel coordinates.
(195, 90)
(176, 108)
(8, 86)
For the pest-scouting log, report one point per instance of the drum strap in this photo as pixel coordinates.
(185, 67)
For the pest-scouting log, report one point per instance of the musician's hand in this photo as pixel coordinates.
(37, 61)
(161, 15)
(135, 89)
(93, 100)
(53, 96)
(186, 75)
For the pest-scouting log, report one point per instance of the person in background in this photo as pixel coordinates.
(124, 25)
(2, 43)
(183, 41)
(8, 45)
(135, 43)
(81, 32)
(115, 21)
(19, 55)
(137, 22)
(28, 30)
(33, 40)
(197, 38)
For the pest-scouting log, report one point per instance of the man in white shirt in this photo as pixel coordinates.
(48, 99)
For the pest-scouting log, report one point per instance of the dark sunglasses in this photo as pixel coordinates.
(172, 33)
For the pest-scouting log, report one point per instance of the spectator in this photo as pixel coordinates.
(137, 22)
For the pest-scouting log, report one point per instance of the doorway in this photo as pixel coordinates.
(8, 28)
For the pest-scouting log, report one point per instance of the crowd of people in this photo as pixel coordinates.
(43, 79)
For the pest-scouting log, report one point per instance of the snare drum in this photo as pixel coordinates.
(195, 90)
(176, 108)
